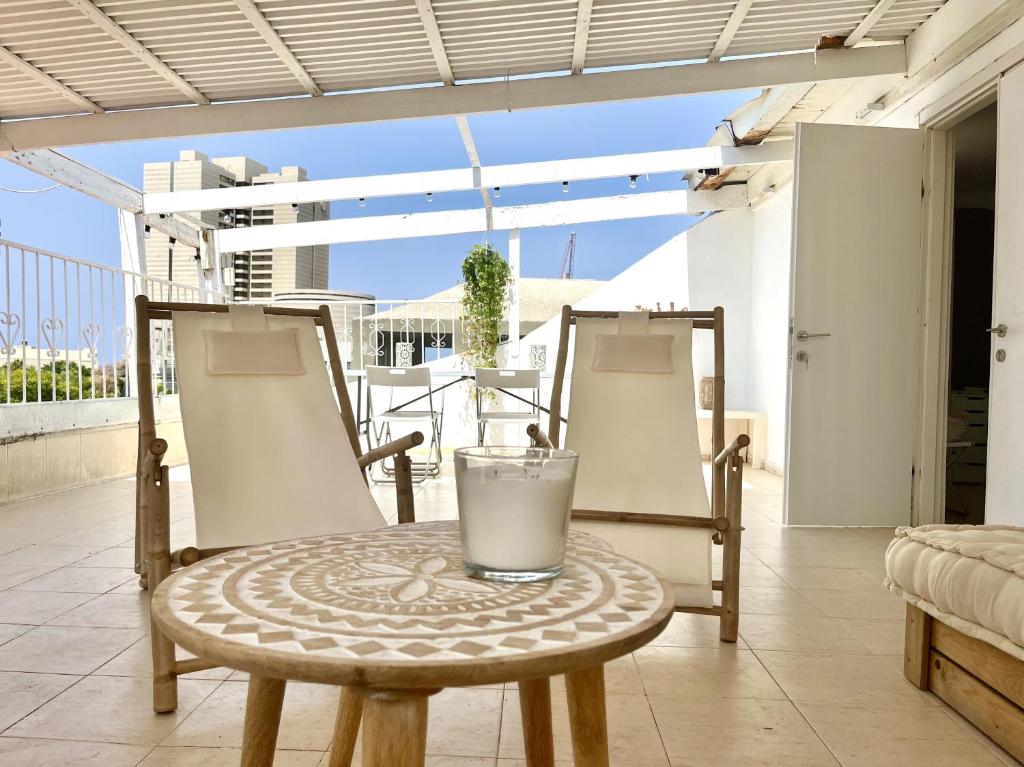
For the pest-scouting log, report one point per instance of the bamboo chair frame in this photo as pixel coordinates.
(727, 471)
(154, 559)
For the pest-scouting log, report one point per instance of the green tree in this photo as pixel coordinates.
(39, 383)
(487, 277)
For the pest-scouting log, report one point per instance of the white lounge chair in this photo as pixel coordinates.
(633, 420)
(273, 451)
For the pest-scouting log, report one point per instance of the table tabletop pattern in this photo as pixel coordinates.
(399, 596)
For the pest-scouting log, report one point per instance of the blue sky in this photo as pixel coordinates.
(73, 224)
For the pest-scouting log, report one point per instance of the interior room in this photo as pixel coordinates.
(525, 383)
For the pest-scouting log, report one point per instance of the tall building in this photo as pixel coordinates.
(258, 274)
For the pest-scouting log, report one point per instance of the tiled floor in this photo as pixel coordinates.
(814, 680)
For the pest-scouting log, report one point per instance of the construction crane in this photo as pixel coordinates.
(568, 257)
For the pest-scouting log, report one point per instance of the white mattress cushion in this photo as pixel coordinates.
(970, 577)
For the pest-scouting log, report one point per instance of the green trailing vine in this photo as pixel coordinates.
(487, 277)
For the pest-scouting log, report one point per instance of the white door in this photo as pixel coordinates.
(856, 275)
(1006, 388)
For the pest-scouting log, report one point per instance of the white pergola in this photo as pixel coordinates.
(76, 72)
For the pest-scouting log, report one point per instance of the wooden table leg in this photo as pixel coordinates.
(395, 727)
(262, 720)
(346, 727)
(587, 717)
(535, 706)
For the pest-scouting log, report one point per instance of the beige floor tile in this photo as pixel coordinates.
(761, 576)
(980, 737)
(111, 710)
(188, 756)
(137, 660)
(464, 722)
(21, 694)
(689, 630)
(86, 580)
(12, 575)
(109, 611)
(858, 680)
(877, 736)
(828, 578)
(858, 556)
(112, 557)
(9, 631)
(620, 675)
(689, 672)
(307, 719)
(57, 556)
(97, 540)
(724, 731)
(37, 607)
(873, 605)
(58, 753)
(65, 649)
(632, 733)
(805, 634)
(788, 601)
(880, 637)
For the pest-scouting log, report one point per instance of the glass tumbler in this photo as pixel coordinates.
(514, 507)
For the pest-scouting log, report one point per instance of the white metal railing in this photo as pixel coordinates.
(398, 332)
(67, 327)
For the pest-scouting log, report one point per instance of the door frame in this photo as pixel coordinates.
(928, 501)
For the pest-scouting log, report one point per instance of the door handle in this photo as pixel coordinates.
(999, 330)
(803, 335)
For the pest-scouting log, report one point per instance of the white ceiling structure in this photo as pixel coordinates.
(89, 71)
(346, 60)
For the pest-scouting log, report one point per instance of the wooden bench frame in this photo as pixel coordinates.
(980, 682)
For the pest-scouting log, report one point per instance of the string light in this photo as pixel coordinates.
(497, 192)
(632, 182)
(430, 196)
(565, 187)
(362, 202)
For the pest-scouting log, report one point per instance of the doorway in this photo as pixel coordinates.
(973, 244)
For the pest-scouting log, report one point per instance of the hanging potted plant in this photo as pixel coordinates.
(486, 278)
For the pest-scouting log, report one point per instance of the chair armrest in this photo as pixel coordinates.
(540, 439)
(734, 447)
(400, 445)
(152, 460)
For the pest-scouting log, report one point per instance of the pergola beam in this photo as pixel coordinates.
(16, 62)
(376, 228)
(280, 48)
(137, 49)
(581, 35)
(470, 98)
(98, 185)
(473, 156)
(732, 26)
(467, 179)
(868, 22)
(433, 31)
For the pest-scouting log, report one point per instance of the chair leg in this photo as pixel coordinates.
(158, 566)
(729, 627)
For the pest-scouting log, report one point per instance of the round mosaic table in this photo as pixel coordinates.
(391, 617)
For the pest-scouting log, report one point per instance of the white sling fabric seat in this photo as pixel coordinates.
(636, 433)
(269, 454)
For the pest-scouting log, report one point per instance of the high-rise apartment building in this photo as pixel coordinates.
(258, 274)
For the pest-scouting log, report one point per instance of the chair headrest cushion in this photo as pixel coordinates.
(632, 353)
(253, 353)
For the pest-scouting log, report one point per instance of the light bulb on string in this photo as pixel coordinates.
(362, 202)
(565, 187)
(497, 192)
(632, 182)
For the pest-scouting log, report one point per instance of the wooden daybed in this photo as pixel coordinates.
(964, 588)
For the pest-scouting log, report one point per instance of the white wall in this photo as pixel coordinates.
(769, 317)
(719, 268)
